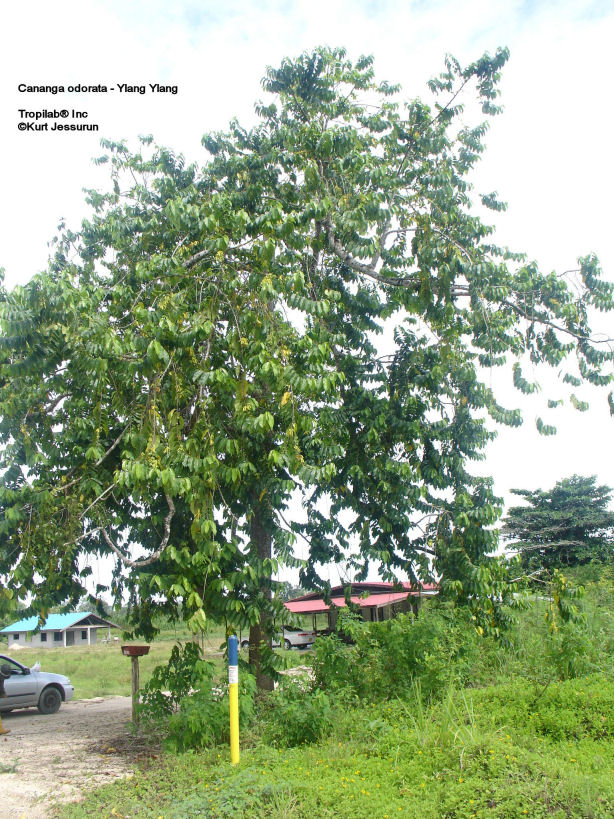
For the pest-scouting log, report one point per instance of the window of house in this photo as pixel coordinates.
(43, 637)
(84, 634)
(57, 636)
(15, 637)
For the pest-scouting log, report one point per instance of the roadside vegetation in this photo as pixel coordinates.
(417, 717)
(484, 752)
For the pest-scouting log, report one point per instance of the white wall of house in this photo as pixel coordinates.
(54, 639)
(44, 640)
(81, 636)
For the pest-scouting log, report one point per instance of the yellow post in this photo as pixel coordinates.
(233, 693)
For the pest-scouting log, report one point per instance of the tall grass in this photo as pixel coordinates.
(449, 722)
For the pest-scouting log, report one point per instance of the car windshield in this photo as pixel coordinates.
(16, 668)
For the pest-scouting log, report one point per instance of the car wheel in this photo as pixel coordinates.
(245, 645)
(287, 644)
(49, 701)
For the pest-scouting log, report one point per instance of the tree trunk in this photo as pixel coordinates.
(261, 547)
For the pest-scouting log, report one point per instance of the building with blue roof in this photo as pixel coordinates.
(78, 628)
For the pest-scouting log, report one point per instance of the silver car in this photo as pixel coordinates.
(292, 638)
(26, 688)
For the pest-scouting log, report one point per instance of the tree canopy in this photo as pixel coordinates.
(205, 348)
(568, 525)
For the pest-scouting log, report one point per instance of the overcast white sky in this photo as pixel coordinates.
(549, 155)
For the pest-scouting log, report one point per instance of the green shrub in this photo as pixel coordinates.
(297, 714)
(576, 709)
(574, 649)
(170, 683)
(187, 704)
(388, 658)
(203, 718)
(334, 666)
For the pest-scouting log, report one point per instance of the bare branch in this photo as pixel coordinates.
(146, 561)
(532, 576)
(112, 447)
(99, 498)
(543, 320)
(196, 258)
(49, 407)
(367, 269)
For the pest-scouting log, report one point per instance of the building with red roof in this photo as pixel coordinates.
(376, 601)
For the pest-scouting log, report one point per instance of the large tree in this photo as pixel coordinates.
(568, 525)
(205, 348)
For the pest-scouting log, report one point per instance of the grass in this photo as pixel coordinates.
(491, 752)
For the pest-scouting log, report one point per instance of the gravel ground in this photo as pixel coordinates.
(49, 758)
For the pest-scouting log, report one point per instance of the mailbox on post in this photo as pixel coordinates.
(134, 652)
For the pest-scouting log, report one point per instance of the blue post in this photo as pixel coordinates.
(233, 650)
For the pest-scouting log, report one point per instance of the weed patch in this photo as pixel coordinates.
(475, 753)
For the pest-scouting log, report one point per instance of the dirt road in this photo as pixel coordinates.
(52, 757)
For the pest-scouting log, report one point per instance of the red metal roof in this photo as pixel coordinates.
(306, 606)
(378, 600)
(369, 587)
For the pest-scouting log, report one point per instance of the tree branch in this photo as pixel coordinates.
(196, 258)
(367, 269)
(542, 320)
(146, 561)
(112, 447)
(99, 498)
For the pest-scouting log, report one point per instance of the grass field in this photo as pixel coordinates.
(97, 671)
